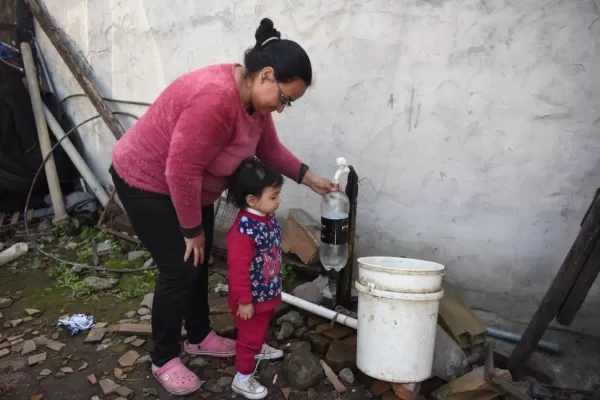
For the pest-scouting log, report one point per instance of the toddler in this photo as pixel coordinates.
(254, 258)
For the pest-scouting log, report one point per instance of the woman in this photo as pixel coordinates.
(171, 167)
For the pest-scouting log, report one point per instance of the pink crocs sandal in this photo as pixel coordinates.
(176, 378)
(213, 345)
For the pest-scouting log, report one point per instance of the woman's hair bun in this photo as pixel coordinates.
(265, 31)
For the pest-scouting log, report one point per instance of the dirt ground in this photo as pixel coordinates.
(34, 282)
(75, 369)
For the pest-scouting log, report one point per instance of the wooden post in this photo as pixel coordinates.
(580, 289)
(31, 82)
(564, 280)
(43, 17)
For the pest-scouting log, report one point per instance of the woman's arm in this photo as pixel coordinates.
(276, 155)
(201, 132)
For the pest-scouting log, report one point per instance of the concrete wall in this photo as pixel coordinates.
(472, 123)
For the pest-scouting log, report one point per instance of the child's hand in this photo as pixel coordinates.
(245, 311)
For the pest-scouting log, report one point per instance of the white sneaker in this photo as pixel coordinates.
(249, 388)
(269, 353)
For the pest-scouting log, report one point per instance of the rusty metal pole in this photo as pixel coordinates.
(343, 295)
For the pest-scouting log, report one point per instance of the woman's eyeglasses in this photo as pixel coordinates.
(286, 101)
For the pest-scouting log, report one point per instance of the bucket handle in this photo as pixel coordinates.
(369, 288)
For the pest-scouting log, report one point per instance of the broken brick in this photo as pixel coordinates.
(313, 321)
(402, 392)
(66, 370)
(108, 386)
(32, 312)
(28, 347)
(380, 387)
(13, 338)
(130, 339)
(92, 379)
(15, 322)
(124, 391)
(351, 340)
(471, 383)
(118, 372)
(390, 396)
(36, 359)
(18, 347)
(4, 352)
(41, 340)
(45, 372)
(54, 345)
(96, 335)
(128, 359)
(338, 332)
(138, 343)
(37, 397)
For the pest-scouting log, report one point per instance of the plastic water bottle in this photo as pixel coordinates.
(335, 208)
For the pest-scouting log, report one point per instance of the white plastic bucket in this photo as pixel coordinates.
(400, 275)
(396, 334)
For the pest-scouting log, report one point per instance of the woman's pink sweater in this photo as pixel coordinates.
(192, 139)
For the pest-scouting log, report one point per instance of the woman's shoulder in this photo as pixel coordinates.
(216, 80)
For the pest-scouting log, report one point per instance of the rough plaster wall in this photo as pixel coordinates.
(472, 123)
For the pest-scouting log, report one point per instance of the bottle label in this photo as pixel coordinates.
(334, 231)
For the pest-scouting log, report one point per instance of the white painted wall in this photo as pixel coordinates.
(472, 123)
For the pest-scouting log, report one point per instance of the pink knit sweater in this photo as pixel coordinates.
(192, 139)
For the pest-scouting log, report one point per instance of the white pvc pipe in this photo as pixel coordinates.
(42, 130)
(85, 171)
(320, 311)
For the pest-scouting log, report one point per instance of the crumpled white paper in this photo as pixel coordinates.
(76, 323)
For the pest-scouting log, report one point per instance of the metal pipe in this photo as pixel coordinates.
(515, 338)
(343, 293)
(42, 129)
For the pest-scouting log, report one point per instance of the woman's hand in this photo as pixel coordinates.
(245, 311)
(319, 184)
(195, 245)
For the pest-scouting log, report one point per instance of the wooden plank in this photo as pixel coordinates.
(337, 385)
(57, 38)
(581, 288)
(15, 218)
(459, 321)
(1, 218)
(472, 385)
(136, 329)
(561, 285)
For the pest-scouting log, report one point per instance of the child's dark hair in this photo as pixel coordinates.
(287, 58)
(251, 178)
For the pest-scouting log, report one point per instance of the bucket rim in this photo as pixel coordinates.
(367, 263)
(398, 295)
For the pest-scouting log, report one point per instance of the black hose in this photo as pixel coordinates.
(35, 178)
(135, 103)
